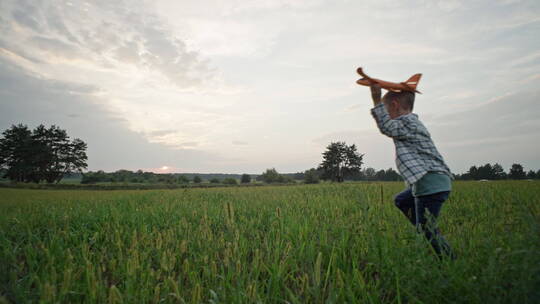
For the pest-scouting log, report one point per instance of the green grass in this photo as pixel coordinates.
(121, 186)
(324, 243)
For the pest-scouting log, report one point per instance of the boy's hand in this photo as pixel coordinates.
(375, 93)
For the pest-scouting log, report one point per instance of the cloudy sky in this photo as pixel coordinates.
(240, 86)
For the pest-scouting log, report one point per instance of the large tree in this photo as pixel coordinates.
(340, 161)
(16, 154)
(44, 154)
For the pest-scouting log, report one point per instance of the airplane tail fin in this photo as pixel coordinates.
(413, 82)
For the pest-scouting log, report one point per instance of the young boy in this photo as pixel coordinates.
(418, 161)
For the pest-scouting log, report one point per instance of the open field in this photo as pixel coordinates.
(328, 243)
(119, 186)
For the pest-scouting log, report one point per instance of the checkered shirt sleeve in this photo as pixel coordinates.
(416, 153)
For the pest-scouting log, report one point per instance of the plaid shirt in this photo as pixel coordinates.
(416, 153)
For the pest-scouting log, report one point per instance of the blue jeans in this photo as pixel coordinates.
(423, 211)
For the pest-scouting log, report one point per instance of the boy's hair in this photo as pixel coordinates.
(404, 98)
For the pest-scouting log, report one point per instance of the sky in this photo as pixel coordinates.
(241, 86)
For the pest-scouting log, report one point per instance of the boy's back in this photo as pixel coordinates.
(416, 153)
(419, 163)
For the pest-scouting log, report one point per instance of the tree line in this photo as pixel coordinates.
(47, 155)
(146, 177)
(269, 176)
(311, 176)
(496, 172)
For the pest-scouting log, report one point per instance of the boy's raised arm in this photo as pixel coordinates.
(375, 93)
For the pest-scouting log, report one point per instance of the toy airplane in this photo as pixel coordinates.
(409, 85)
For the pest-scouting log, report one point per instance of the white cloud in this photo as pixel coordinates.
(213, 75)
(143, 71)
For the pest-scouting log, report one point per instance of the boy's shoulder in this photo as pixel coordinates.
(409, 117)
(413, 122)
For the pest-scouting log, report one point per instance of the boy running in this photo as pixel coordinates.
(418, 162)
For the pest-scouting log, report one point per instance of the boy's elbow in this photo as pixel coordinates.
(387, 132)
(392, 129)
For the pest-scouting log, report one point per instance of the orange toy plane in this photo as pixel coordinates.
(409, 85)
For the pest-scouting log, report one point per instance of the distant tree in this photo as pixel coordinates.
(150, 177)
(311, 176)
(299, 176)
(340, 161)
(134, 177)
(473, 173)
(89, 178)
(486, 172)
(288, 179)
(16, 153)
(498, 172)
(101, 176)
(126, 175)
(531, 174)
(245, 179)
(272, 176)
(197, 179)
(182, 179)
(230, 181)
(214, 181)
(357, 176)
(462, 176)
(369, 174)
(44, 154)
(387, 175)
(516, 172)
(55, 155)
(392, 175)
(380, 175)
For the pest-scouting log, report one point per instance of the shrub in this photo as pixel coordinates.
(183, 180)
(311, 176)
(272, 176)
(245, 179)
(230, 181)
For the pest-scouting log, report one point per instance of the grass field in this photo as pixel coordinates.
(328, 243)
